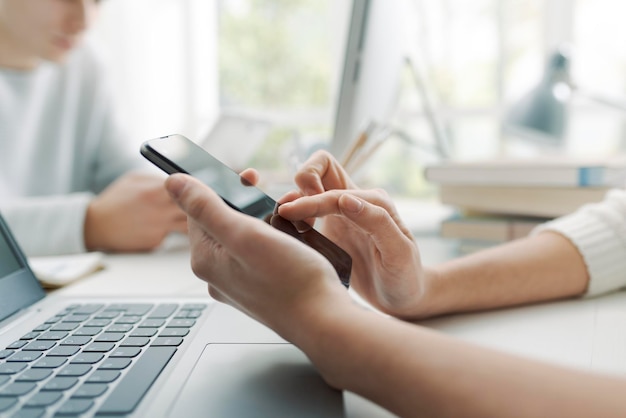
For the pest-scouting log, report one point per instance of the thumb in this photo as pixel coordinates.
(205, 207)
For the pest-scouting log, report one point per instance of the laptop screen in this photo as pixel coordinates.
(18, 286)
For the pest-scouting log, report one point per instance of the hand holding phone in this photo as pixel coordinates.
(178, 154)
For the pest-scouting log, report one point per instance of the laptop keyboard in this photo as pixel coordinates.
(92, 359)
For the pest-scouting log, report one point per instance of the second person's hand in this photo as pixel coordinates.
(387, 269)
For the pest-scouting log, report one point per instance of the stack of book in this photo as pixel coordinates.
(502, 200)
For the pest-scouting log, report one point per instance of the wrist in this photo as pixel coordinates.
(91, 233)
(433, 298)
(326, 338)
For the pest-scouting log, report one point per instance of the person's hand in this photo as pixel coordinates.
(386, 268)
(253, 267)
(135, 213)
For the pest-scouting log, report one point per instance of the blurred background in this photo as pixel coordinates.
(177, 65)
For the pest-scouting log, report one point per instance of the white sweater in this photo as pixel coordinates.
(599, 232)
(59, 145)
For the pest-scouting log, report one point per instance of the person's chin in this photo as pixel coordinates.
(57, 56)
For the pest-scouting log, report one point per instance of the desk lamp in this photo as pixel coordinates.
(542, 113)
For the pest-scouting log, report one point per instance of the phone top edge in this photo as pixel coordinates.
(157, 159)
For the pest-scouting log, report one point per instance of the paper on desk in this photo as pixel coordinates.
(57, 271)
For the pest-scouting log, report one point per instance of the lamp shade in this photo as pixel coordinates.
(542, 113)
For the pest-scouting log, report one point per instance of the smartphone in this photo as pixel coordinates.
(178, 154)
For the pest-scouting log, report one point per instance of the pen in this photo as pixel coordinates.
(357, 144)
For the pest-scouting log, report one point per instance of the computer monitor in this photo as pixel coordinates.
(381, 44)
(375, 53)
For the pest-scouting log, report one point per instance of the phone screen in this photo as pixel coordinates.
(178, 154)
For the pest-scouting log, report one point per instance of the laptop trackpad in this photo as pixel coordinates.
(256, 380)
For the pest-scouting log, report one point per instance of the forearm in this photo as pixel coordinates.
(542, 267)
(48, 225)
(416, 372)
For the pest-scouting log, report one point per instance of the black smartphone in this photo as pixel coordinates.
(178, 154)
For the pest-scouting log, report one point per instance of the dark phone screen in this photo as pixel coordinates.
(175, 153)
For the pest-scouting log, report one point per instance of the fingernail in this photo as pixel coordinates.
(351, 203)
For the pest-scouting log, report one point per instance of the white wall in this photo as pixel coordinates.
(161, 55)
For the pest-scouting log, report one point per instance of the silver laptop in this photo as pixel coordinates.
(143, 357)
(234, 138)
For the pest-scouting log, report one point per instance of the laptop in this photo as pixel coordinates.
(234, 138)
(62, 356)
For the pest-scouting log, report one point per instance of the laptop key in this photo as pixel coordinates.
(25, 356)
(167, 341)
(131, 389)
(60, 383)
(17, 344)
(5, 354)
(115, 364)
(65, 326)
(103, 376)
(163, 311)
(53, 335)
(174, 332)
(126, 352)
(87, 358)
(49, 363)
(152, 323)
(17, 389)
(107, 314)
(88, 309)
(119, 328)
(90, 390)
(111, 337)
(29, 413)
(76, 318)
(63, 351)
(11, 368)
(39, 345)
(74, 407)
(144, 332)
(88, 331)
(44, 399)
(99, 348)
(74, 370)
(195, 306)
(7, 403)
(135, 342)
(33, 375)
(133, 319)
(42, 327)
(76, 340)
(181, 323)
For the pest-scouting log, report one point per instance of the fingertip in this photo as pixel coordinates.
(250, 176)
(175, 184)
(350, 204)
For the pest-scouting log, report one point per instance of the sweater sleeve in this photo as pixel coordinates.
(48, 225)
(599, 233)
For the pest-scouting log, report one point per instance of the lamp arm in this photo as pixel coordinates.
(613, 102)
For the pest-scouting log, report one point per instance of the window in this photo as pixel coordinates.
(279, 60)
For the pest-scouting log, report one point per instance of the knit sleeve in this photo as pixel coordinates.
(599, 233)
(48, 225)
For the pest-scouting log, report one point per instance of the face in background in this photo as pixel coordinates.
(34, 30)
